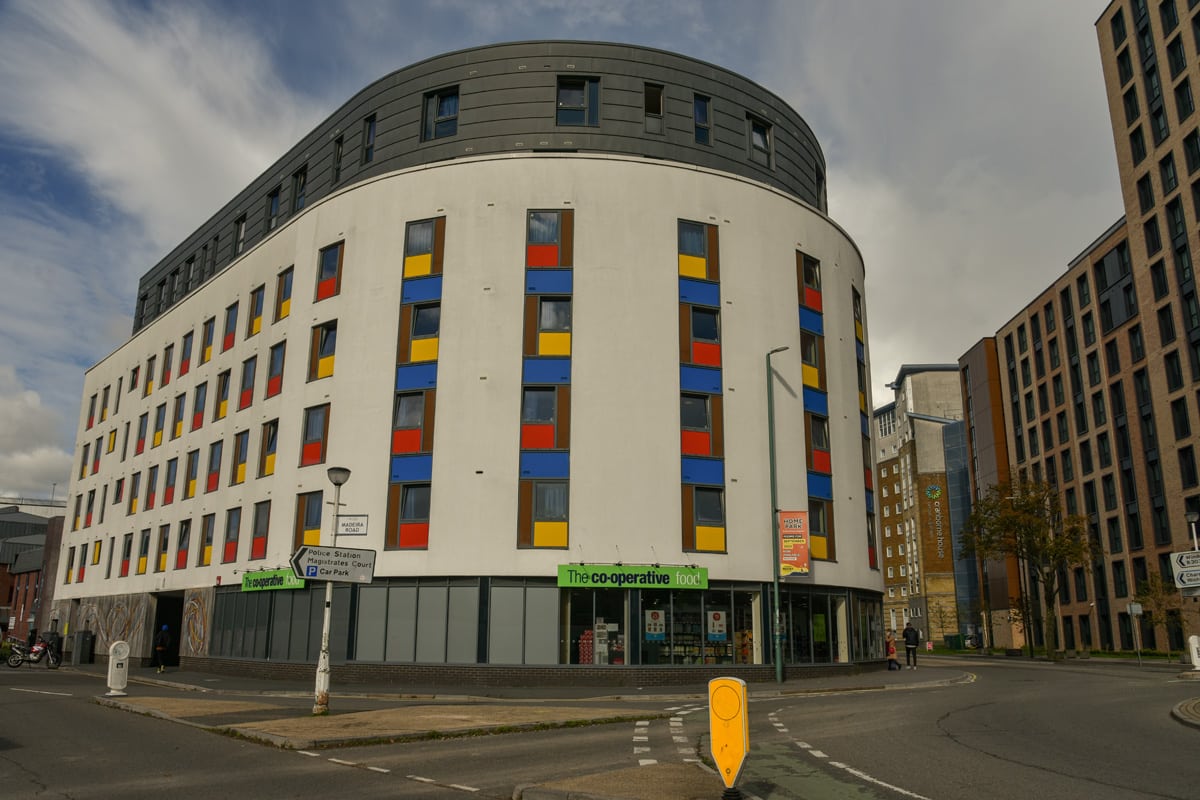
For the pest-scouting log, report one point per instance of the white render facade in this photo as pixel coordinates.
(476, 503)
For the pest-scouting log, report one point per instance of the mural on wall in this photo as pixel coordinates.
(111, 619)
(196, 604)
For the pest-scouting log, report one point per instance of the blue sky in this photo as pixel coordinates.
(968, 145)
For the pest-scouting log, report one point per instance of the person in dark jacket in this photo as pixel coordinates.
(162, 643)
(911, 640)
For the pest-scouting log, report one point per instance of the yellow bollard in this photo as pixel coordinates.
(728, 727)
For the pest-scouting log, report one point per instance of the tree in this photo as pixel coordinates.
(1026, 521)
(1158, 599)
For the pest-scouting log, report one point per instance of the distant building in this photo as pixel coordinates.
(21, 534)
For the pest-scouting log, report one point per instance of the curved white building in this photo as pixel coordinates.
(526, 295)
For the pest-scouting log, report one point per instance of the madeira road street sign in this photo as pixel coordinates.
(1186, 567)
(339, 564)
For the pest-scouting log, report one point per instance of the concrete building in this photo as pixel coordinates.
(525, 294)
(914, 504)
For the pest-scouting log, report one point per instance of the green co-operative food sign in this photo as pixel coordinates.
(615, 576)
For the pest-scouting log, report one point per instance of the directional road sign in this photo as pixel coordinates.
(1186, 567)
(339, 564)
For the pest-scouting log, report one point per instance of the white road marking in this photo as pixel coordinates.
(380, 769)
(641, 723)
(420, 779)
(35, 691)
(344, 763)
(680, 739)
(647, 762)
(817, 754)
(641, 738)
(687, 751)
(308, 753)
(869, 779)
(463, 788)
(804, 745)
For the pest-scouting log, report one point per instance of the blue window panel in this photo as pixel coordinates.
(411, 468)
(706, 380)
(816, 401)
(549, 281)
(859, 352)
(706, 471)
(864, 424)
(870, 502)
(812, 321)
(416, 376)
(541, 464)
(421, 290)
(546, 370)
(820, 486)
(699, 293)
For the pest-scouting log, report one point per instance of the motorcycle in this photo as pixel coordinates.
(21, 653)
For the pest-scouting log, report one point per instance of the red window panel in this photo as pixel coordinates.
(874, 557)
(820, 461)
(168, 495)
(184, 366)
(706, 353)
(246, 398)
(258, 547)
(812, 298)
(214, 480)
(79, 579)
(87, 520)
(91, 418)
(274, 385)
(198, 420)
(312, 453)
(166, 377)
(150, 500)
(181, 558)
(541, 255)
(230, 551)
(414, 534)
(407, 440)
(537, 437)
(868, 478)
(124, 567)
(695, 443)
(327, 288)
(228, 341)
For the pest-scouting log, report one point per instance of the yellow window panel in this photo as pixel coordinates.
(141, 565)
(554, 344)
(269, 465)
(862, 402)
(76, 524)
(133, 506)
(207, 354)
(710, 538)
(221, 408)
(68, 580)
(812, 376)
(312, 536)
(424, 350)
(325, 367)
(149, 385)
(693, 267)
(207, 556)
(157, 439)
(240, 475)
(178, 430)
(112, 440)
(285, 308)
(858, 330)
(95, 554)
(416, 266)
(191, 489)
(549, 534)
(819, 546)
(255, 325)
(162, 563)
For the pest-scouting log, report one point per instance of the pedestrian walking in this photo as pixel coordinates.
(911, 639)
(162, 643)
(890, 644)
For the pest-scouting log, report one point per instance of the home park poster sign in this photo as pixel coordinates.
(616, 576)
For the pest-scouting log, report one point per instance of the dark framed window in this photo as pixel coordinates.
(702, 118)
(1137, 145)
(308, 518)
(1130, 102)
(275, 362)
(441, 114)
(760, 142)
(1166, 171)
(299, 188)
(267, 448)
(283, 294)
(259, 530)
(652, 102)
(273, 209)
(1124, 66)
(339, 147)
(578, 101)
(329, 271)
(1185, 104)
(315, 435)
(322, 350)
(1145, 192)
(1176, 58)
(368, 140)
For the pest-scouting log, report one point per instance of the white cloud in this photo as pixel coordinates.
(29, 466)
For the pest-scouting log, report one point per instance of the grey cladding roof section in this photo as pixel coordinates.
(507, 103)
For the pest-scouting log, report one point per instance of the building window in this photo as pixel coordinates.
(550, 513)
(254, 322)
(246, 395)
(578, 101)
(275, 369)
(652, 102)
(241, 451)
(441, 114)
(1166, 171)
(551, 325)
(259, 530)
(1118, 27)
(426, 324)
(230, 331)
(191, 475)
(1137, 145)
(207, 334)
(273, 209)
(149, 386)
(233, 524)
(164, 544)
(299, 188)
(213, 479)
(545, 416)
(283, 294)
(266, 453)
(308, 518)
(760, 141)
(1185, 104)
(185, 360)
(143, 551)
(698, 251)
(1180, 419)
(1166, 325)
(184, 544)
(169, 481)
(198, 403)
(1153, 238)
(329, 271)
(702, 116)
(412, 422)
(423, 244)
(368, 140)
(316, 431)
(239, 235)
(208, 524)
(1130, 100)
(322, 350)
(1176, 58)
(549, 239)
(221, 406)
(410, 527)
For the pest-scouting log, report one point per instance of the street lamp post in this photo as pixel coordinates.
(337, 476)
(1192, 517)
(778, 616)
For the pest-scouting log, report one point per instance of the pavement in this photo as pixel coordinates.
(279, 713)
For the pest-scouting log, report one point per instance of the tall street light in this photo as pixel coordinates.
(337, 476)
(778, 621)
(1192, 517)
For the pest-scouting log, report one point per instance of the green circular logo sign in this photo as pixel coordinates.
(933, 492)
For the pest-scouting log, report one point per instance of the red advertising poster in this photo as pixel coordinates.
(793, 543)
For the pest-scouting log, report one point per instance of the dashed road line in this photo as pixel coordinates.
(647, 762)
(344, 763)
(380, 769)
(308, 753)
